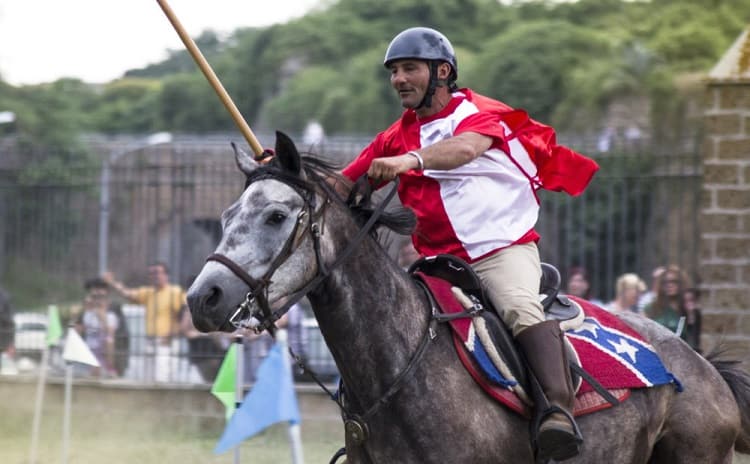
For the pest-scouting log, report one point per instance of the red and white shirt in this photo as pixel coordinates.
(490, 203)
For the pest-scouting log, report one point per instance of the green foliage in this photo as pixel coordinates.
(362, 100)
(305, 93)
(562, 61)
(180, 61)
(128, 106)
(631, 70)
(689, 47)
(46, 116)
(253, 69)
(49, 118)
(187, 103)
(336, 96)
(522, 69)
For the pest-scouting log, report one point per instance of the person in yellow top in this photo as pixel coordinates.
(162, 301)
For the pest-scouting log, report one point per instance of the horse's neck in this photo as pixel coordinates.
(372, 317)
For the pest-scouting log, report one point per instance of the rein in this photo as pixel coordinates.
(355, 424)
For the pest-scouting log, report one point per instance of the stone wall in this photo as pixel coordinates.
(725, 208)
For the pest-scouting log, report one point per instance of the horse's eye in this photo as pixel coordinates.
(275, 218)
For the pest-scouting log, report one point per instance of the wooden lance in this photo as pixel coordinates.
(200, 60)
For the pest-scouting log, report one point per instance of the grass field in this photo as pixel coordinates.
(120, 438)
(116, 432)
(144, 439)
(122, 433)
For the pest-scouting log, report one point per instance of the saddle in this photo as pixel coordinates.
(471, 295)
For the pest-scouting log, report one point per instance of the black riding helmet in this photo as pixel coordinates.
(429, 45)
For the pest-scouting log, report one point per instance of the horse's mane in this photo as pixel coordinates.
(357, 196)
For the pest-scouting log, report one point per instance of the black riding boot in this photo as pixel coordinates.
(544, 347)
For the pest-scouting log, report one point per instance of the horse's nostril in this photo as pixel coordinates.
(214, 296)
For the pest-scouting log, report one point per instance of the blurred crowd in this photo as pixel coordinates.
(671, 299)
(156, 343)
(168, 345)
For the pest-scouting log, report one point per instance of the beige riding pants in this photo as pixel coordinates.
(510, 279)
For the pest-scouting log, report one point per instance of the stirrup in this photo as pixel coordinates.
(563, 446)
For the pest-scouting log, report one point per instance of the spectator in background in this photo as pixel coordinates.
(7, 328)
(578, 285)
(162, 301)
(693, 317)
(649, 296)
(668, 307)
(98, 325)
(122, 340)
(628, 289)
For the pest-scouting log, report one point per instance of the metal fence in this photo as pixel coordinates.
(162, 203)
(137, 358)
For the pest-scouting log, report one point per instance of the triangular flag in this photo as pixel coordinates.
(270, 401)
(76, 350)
(226, 381)
(54, 328)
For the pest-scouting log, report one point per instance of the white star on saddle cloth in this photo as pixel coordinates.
(622, 346)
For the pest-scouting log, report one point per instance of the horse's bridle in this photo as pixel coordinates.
(259, 287)
(355, 424)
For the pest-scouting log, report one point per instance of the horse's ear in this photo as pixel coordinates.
(286, 153)
(244, 161)
(360, 195)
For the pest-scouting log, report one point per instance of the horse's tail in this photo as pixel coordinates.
(739, 382)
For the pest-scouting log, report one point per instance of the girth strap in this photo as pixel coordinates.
(603, 392)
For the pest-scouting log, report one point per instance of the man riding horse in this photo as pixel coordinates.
(469, 167)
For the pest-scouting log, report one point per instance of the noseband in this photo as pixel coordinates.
(259, 288)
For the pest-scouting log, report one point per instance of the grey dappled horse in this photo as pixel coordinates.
(293, 231)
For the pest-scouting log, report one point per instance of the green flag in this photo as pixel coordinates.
(224, 385)
(54, 328)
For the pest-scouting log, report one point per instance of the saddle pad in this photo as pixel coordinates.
(465, 329)
(612, 352)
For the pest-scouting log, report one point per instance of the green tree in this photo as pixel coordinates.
(128, 106)
(630, 71)
(187, 103)
(180, 61)
(551, 58)
(527, 65)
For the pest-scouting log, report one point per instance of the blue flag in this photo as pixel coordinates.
(271, 400)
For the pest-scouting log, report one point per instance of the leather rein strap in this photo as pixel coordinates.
(259, 290)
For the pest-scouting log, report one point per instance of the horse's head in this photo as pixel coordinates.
(267, 245)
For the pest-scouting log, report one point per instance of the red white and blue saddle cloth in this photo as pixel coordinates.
(613, 353)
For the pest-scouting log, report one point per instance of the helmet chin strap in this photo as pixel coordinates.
(433, 85)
